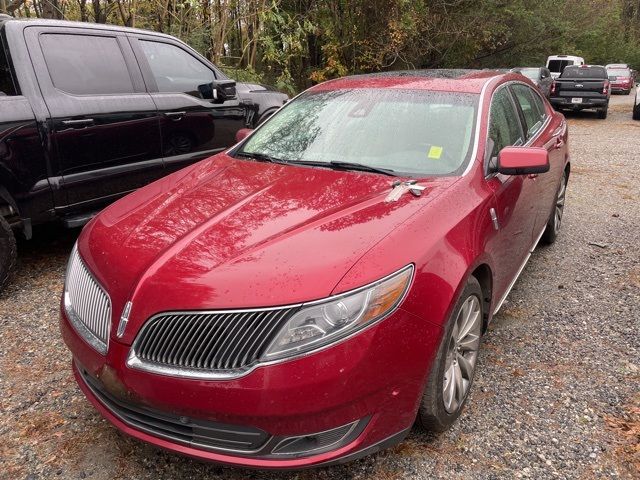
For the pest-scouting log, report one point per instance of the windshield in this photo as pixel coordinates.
(407, 131)
(619, 72)
(531, 73)
(557, 66)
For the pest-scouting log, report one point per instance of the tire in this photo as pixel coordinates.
(602, 113)
(8, 252)
(636, 112)
(433, 414)
(555, 217)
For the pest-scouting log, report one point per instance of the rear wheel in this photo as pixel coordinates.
(8, 252)
(453, 368)
(636, 112)
(602, 113)
(555, 219)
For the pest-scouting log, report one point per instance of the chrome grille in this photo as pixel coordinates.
(87, 305)
(189, 344)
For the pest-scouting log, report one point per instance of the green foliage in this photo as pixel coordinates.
(295, 43)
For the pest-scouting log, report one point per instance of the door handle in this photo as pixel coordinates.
(78, 123)
(175, 116)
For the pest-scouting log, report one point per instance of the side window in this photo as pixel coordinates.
(504, 126)
(86, 64)
(175, 70)
(530, 109)
(6, 81)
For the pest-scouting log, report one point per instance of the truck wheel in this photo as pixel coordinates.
(636, 112)
(602, 113)
(8, 252)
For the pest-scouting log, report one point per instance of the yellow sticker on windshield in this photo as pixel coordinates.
(435, 152)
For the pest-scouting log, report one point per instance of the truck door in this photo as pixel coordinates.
(103, 126)
(192, 127)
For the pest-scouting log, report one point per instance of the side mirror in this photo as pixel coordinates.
(218, 91)
(523, 160)
(243, 133)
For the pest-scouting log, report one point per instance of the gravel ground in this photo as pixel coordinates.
(556, 394)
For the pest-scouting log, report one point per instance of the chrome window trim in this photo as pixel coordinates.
(135, 362)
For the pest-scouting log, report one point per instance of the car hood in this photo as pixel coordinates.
(229, 233)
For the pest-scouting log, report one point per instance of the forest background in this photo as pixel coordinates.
(293, 44)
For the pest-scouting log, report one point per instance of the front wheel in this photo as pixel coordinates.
(555, 219)
(453, 368)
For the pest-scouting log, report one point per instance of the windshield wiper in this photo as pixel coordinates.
(261, 157)
(338, 165)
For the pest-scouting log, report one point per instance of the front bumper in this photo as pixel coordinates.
(587, 102)
(373, 380)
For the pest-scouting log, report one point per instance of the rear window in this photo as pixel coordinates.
(584, 72)
(619, 72)
(7, 86)
(557, 66)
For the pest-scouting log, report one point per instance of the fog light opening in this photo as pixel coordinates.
(304, 445)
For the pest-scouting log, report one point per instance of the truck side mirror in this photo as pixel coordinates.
(218, 91)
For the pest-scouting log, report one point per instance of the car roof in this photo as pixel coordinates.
(21, 23)
(445, 80)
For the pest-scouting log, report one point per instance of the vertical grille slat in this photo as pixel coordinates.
(208, 341)
(87, 304)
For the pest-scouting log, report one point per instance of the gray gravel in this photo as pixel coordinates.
(557, 389)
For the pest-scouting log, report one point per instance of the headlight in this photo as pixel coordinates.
(327, 321)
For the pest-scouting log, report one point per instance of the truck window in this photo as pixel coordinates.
(6, 81)
(174, 69)
(86, 64)
(584, 72)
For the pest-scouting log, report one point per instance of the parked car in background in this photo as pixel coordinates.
(540, 76)
(616, 65)
(580, 88)
(557, 63)
(91, 112)
(255, 309)
(621, 79)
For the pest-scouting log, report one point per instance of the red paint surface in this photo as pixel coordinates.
(231, 233)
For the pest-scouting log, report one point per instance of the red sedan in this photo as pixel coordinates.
(300, 299)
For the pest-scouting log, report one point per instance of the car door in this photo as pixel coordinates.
(545, 82)
(536, 119)
(516, 209)
(193, 127)
(103, 127)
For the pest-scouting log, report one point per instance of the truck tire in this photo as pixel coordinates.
(602, 113)
(8, 252)
(636, 112)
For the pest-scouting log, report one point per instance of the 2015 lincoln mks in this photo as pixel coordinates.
(300, 299)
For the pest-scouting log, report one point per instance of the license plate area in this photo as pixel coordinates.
(576, 100)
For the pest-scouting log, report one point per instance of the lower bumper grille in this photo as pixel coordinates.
(193, 432)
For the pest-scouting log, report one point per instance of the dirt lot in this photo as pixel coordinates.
(557, 392)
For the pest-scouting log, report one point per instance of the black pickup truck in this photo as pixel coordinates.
(582, 87)
(91, 112)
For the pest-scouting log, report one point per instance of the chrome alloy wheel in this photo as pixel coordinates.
(462, 353)
(562, 192)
